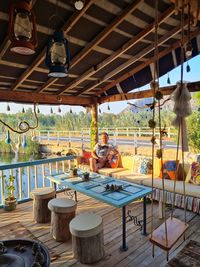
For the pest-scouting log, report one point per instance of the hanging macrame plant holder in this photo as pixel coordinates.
(182, 108)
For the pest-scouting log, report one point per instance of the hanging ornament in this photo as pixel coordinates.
(188, 50)
(8, 107)
(24, 142)
(59, 109)
(79, 4)
(158, 95)
(152, 123)
(23, 110)
(188, 67)
(99, 110)
(108, 107)
(38, 110)
(8, 139)
(51, 110)
(154, 85)
(168, 79)
(70, 111)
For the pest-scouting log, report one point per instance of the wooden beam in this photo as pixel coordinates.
(71, 21)
(75, 60)
(193, 87)
(151, 60)
(29, 97)
(136, 39)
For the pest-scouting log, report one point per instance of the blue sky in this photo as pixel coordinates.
(116, 107)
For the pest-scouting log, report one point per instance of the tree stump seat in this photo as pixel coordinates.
(87, 237)
(41, 197)
(62, 212)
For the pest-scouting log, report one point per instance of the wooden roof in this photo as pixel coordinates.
(112, 50)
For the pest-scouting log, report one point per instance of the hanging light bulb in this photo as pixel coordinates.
(22, 28)
(70, 111)
(168, 79)
(59, 109)
(23, 110)
(57, 55)
(51, 110)
(8, 107)
(8, 139)
(188, 67)
(79, 4)
(108, 107)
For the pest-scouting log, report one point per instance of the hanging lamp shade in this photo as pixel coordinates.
(24, 142)
(57, 56)
(22, 28)
(79, 4)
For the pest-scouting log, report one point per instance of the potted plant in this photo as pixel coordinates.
(10, 200)
(86, 176)
(74, 172)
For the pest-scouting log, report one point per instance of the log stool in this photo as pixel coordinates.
(87, 237)
(62, 212)
(41, 197)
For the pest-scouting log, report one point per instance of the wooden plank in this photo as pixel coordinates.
(136, 39)
(144, 64)
(167, 90)
(175, 229)
(29, 97)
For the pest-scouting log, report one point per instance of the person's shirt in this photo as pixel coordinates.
(102, 150)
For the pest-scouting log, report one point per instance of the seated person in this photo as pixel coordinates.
(100, 154)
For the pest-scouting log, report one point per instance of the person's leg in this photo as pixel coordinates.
(93, 164)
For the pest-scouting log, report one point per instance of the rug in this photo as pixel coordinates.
(189, 256)
(17, 230)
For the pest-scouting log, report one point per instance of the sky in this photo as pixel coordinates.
(117, 107)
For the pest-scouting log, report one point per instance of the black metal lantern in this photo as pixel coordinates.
(58, 56)
(22, 28)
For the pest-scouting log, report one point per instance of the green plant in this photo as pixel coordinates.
(10, 188)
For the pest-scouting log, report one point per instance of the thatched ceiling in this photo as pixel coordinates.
(112, 50)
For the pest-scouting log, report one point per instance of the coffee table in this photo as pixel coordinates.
(100, 187)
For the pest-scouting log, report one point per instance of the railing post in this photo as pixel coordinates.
(50, 172)
(29, 180)
(20, 183)
(58, 137)
(43, 175)
(2, 187)
(169, 132)
(48, 135)
(127, 132)
(63, 166)
(139, 132)
(69, 139)
(36, 176)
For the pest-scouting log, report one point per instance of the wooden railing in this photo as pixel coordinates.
(30, 175)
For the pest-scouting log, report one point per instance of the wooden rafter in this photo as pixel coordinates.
(66, 28)
(144, 64)
(193, 87)
(29, 97)
(100, 37)
(141, 54)
(136, 39)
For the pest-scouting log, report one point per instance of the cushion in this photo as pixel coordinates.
(194, 173)
(113, 158)
(169, 169)
(145, 166)
(86, 155)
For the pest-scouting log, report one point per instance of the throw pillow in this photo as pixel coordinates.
(195, 173)
(113, 158)
(145, 166)
(86, 155)
(169, 169)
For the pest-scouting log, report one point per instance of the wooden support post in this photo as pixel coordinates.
(94, 126)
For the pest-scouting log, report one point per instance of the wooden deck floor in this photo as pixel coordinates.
(140, 249)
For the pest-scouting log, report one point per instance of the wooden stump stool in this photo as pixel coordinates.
(41, 197)
(62, 212)
(87, 237)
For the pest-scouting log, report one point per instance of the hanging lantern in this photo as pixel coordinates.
(8, 139)
(57, 55)
(22, 28)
